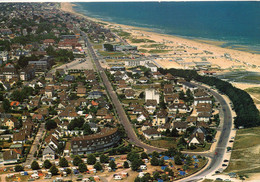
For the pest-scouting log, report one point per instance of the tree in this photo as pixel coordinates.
(126, 165)
(132, 155)
(156, 175)
(47, 164)
(77, 160)
(87, 130)
(144, 155)
(50, 124)
(98, 166)
(63, 162)
(18, 168)
(170, 171)
(104, 158)
(112, 164)
(91, 159)
(35, 165)
(177, 160)
(136, 164)
(154, 161)
(6, 105)
(68, 170)
(161, 162)
(54, 170)
(82, 167)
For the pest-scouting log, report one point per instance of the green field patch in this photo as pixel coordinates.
(133, 40)
(152, 45)
(158, 51)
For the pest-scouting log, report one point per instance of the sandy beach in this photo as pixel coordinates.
(189, 51)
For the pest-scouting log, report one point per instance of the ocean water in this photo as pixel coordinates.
(237, 24)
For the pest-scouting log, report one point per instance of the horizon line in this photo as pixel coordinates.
(159, 1)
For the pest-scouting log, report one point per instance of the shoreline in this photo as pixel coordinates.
(241, 60)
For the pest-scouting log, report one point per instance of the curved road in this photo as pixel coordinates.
(223, 139)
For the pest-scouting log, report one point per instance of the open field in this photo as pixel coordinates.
(245, 155)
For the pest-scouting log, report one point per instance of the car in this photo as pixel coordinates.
(216, 153)
(224, 165)
(231, 141)
(219, 179)
(217, 172)
(225, 160)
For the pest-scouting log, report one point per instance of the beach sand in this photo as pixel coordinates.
(190, 51)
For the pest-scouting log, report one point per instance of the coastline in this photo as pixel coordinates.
(245, 59)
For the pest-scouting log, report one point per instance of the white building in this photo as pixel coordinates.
(152, 94)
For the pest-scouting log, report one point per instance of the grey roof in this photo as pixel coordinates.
(48, 150)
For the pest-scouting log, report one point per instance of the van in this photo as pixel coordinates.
(117, 177)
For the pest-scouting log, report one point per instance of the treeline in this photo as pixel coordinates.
(247, 113)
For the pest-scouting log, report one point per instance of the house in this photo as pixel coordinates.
(180, 126)
(150, 105)
(205, 117)
(69, 78)
(95, 95)
(20, 137)
(143, 116)
(198, 136)
(157, 75)
(129, 94)
(40, 65)
(189, 86)
(178, 107)
(191, 120)
(173, 98)
(93, 126)
(101, 113)
(168, 89)
(48, 42)
(27, 73)
(199, 93)
(151, 133)
(68, 115)
(52, 141)
(48, 153)
(10, 122)
(49, 91)
(10, 156)
(81, 91)
(151, 66)
(146, 125)
(9, 72)
(161, 117)
(143, 79)
(37, 117)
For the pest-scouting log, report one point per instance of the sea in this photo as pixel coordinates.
(229, 24)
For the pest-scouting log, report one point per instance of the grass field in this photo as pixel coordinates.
(245, 155)
(163, 143)
(255, 93)
(155, 51)
(111, 54)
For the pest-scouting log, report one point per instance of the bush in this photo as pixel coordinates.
(77, 160)
(63, 162)
(47, 164)
(98, 166)
(82, 167)
(54, 170)
(18, 168)
(35, 165)
(91, 159)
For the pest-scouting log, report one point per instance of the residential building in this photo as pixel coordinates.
(99, 142)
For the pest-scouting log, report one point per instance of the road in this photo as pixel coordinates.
(222, 142)
(36, 141)
(119, 108)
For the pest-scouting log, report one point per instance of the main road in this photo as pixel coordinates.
(216, 157)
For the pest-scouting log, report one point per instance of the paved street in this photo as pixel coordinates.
(39, 135)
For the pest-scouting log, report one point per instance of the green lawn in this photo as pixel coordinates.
(252, 78)
(133, 40)
(153, 51)
(162, 143)
(112, 54)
